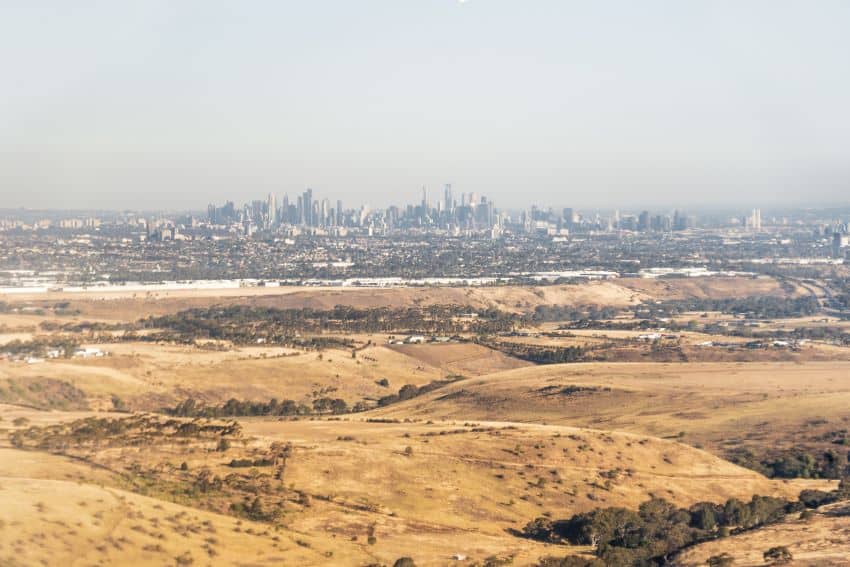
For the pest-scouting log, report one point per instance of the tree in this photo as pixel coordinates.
(704, 515)
(539, 529)
(722, 560)
(778, 555)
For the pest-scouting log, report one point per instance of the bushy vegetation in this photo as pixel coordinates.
(246, 325)
(252, 488)
(542, 354)
(795, 463)
(409, 391)
(547, 313)
(274, 407)
(39, 346)
(758, 307)
(138, 430)
(652, 534)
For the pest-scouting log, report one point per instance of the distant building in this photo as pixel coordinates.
(839, 243)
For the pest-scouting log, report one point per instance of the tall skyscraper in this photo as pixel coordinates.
(271, 205)
(448, 203)
(755, 219)
(643, 221)
(569, 218)
(308, 207)
(325, 212)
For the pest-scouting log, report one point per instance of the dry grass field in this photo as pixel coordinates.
(113, 304)
(449, 476)
(712, 403)
(148, 376)
(461, 358)
(380, 491)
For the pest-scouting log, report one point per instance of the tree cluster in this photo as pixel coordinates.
(658, 529)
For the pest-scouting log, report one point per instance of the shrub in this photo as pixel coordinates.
(817, 498)
(778, 555)
(722, 560)
(570, 561)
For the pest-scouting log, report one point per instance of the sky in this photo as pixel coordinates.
(174, 104)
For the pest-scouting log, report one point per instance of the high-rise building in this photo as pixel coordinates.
(448, 203)
(569, 218)
(755, 219)
(325, 212)
(308, 207)
(839, 243)
(271, 205)
(643, 221)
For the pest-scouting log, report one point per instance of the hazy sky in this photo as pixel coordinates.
(173, 104)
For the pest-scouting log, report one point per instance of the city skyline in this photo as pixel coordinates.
(162, 105)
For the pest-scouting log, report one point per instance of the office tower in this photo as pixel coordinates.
(326, 211)
(308, 207)
(755, 219)
(839, 242)
(424, 199)
(569, 218)
(447, 198)
(339, 212)
(271, 205)
(643, 221)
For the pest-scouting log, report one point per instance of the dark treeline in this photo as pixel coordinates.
(548, 313)
(282, 408)
(797, 463)
(409, 391)
(40, 345)
(542, 354)
(656, 531)
(245, 324)
(833, 334)
(274, 407)
(138, 430)
(759, 307)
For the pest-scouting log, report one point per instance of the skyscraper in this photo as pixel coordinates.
(569, 218)
(308, 207)
(271, 205)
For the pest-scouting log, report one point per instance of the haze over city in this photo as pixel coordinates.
(160, 105)
(419, 283)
